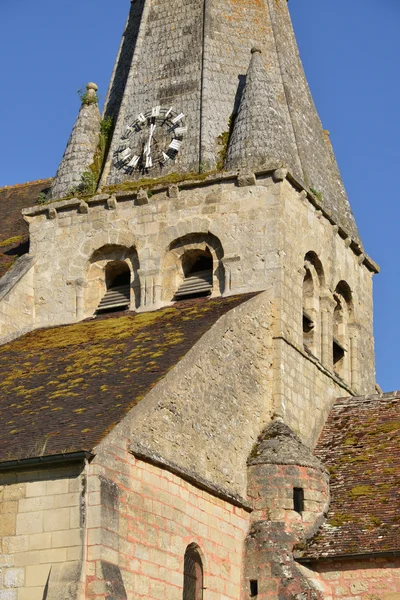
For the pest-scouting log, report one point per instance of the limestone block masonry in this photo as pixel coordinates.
(258, 237)
(41, 531)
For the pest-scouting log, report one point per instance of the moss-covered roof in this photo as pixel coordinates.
(360, 445)
(63, 389)
(13, 229)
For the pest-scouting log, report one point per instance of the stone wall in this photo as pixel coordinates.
(259, 231)
(17, 299)
(375, 578)
(41, 535)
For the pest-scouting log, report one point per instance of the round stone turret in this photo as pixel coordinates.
(288, 489)
(286, 482)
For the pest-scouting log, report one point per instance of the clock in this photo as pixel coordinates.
(152, 141)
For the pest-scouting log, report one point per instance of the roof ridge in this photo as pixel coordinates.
(26, 184)
(357, 400)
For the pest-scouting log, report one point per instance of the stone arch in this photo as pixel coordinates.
(108, 266)
(182, 256)
(313, 283)
(343, 316)
(102, 239)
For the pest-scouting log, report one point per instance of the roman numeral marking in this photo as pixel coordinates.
(178, 118)
(125, 154)
(180, 130)
(133, 163)
(175, 145)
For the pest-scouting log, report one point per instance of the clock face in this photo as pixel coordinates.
(152, 141)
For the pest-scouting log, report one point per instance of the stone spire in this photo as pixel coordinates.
(262, 135)
(81, 146)
(198, 68)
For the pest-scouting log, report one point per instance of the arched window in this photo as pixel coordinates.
(192, 574)
(118, 281)
(312, 283)
(341, 347)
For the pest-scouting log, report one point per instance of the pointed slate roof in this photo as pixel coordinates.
(198, 68)
(81, 146)
(279, 445)
(261, 135)
(62, 389)
(283, 129)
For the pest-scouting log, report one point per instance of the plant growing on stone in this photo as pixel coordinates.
(87, 185)
(42, 198)
(317, 194)
(88, 96)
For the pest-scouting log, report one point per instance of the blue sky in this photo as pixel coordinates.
(351, 53)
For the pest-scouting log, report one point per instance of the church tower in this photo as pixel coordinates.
(205, 210)
(217, 180)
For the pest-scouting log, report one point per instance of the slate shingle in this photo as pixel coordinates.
(360, 445)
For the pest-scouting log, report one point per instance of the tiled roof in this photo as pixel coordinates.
(62, 389)
(360, 445)
(13, 229)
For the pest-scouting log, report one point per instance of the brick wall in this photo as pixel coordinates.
(142, 518)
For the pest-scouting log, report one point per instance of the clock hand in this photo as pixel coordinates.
(148, 145)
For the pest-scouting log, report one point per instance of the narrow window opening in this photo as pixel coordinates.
(253, 588)
(308, 323)
(338, 352)
(298, 500)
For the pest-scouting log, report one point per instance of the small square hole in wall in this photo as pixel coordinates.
(298, 500)
(253, 588)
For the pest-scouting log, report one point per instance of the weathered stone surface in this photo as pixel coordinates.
(204, 77)
(41, 529)
(142, 198)
(80, 149)
(277, 444)
(246, 178)
(262, 132)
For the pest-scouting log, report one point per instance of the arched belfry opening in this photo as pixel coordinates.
(313, 282)
(118, 284)
(197, 267)
(193, 268)
(112, 280)
(192, 574)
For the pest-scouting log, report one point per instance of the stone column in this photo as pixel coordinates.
(150, 290)
(354, 363)
(327, 307)
(80, 286)
(230, 266)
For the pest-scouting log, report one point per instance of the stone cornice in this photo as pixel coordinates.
(277, 174)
